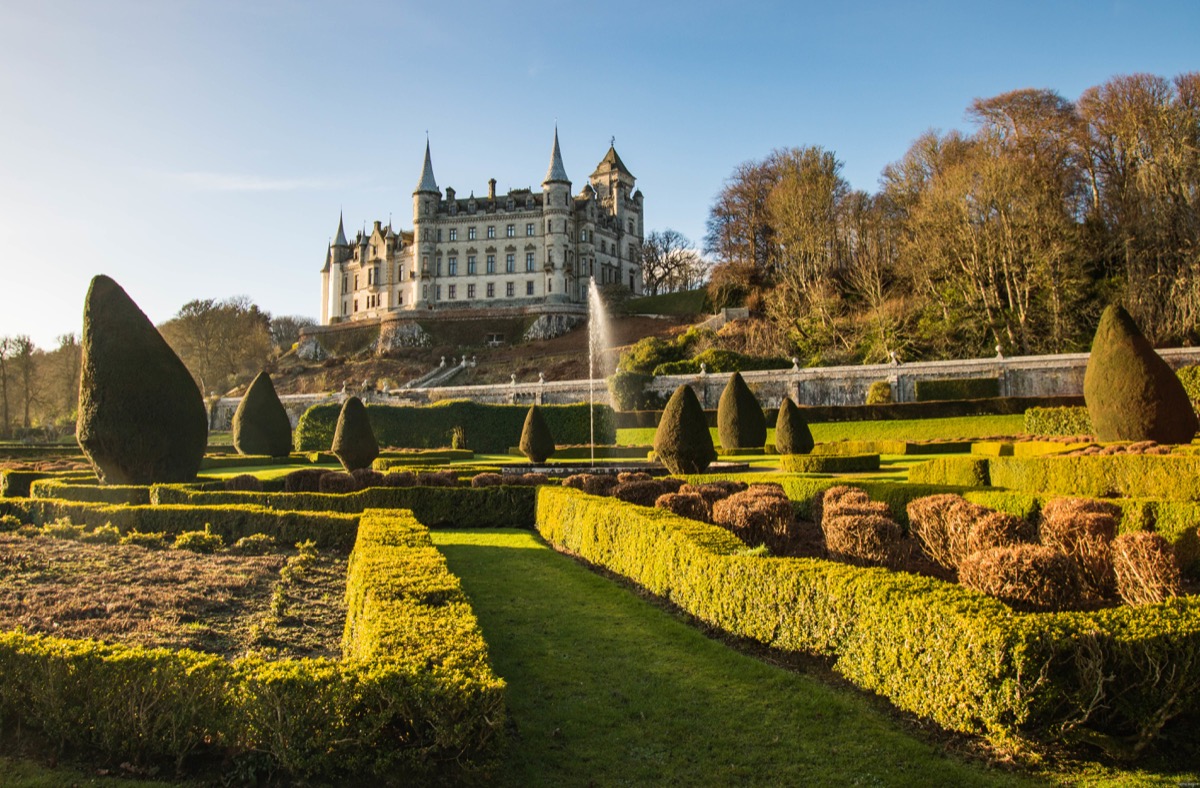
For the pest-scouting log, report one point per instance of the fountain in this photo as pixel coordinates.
(599, 338)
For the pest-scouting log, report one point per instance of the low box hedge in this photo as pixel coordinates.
(828, 463)
(16, 484)
(961, 659)
(217, 461)
(54, 487)
(1065, 420)
(956, 389)
(951, 471)
(1173, 477)
(413, 699)
(890, 447)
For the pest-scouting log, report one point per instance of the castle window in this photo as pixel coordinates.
(491, 289)
(356, 305)
(583, 235)
(491, 263)
(510, 289)
(345, 285)
(471, 265)
(424, 292)
(631, 226)
(470, 233)
(529, 261)
(453, 234)
(529, 288)
(453, 266)
(399, 273)
(356, 284)
(470, 291)
(439, 267)
(510, 231)
(439, 235)
(529, 229)
(603, 246)
(491, 231)
(437, 293)
(345, 308)
(549, 226)
(453, 292)
(510, 263)
(399, 298)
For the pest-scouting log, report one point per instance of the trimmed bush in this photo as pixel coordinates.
(1083, 530)
(627, 390)
(141, 418)
(792, 435)
(1068, 420)
(1172, 477)
(828, 463)
(760, 514)
(942, 524)
(1131, 393)
(1145, 568)
(685, 504)
(304, 480)
(961, 388)
(338, 484)
(255, 544)
(643, 492)
(243, 482)
(1026, 577)
(740, 420)
(260, 423)
(879, 393)
(864, 539)
(682, 441)
(997, 529)
(537, 443)
(16, 484)
(57, 487)
(200, 541)
(353, 441)
(953, 471)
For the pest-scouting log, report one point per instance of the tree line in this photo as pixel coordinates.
(223, 343)
(1010, 239)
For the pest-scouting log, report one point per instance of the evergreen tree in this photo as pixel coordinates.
(792, 435)
(740, 420)
(260, 424)
(682, 441)
(354, 441)
(537, 443)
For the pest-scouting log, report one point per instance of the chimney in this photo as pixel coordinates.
(491, 188)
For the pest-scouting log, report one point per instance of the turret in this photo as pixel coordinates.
(556, 212)
(425, 205)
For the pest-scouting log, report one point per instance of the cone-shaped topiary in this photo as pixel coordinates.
(536, 441)
(354, 441)
(141, 417)
(260, 424)
(792, 435)
(1131, 393)
(682, 441)
(740, 420)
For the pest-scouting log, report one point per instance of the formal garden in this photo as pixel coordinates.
(467, 593)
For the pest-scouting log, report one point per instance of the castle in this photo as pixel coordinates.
(520, 249)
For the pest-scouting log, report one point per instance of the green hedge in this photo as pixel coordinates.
(1173, 477)
(138, 495)
(961, 659)
(953, 471)
(16, 484)
(717, 360)
(1072, 420)
(213, 462)
(413, 701)
(891, 447)
(961, 388)
(458, 507)
(828, 463)
(1022, 448)
(490, 429)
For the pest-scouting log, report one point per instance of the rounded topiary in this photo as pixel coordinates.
(354, 441)
(141, 417)
(1026, 576)
(537, 443)
(792, 435)
(740, 420)
(682, 441)
(260, 424)
(1131, 393)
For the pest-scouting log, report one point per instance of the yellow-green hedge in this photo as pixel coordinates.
(1174, 477)
(90, 492)
(954, 471)
(828, 463)
(959, 658)
(412, 700)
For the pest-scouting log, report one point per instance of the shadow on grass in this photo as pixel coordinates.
(605, 688)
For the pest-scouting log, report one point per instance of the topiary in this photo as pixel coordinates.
(879, 393)
(141, 417)
(792, 435)
(1131, 393)
(304, 480)
(353, 441)
(740, 420)
(689, 505)
(1146, 569)
(942, 524)
(682, 441)
(1026, 576)
(260, 424)
(244, 482)
(537, 444)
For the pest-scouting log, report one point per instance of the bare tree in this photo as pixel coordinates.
(7, 348)
(221, 342)
(285, 330)
(24, 358)
(670, 262)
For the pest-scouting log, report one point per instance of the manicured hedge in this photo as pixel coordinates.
(1070, 420)
(828, 463)
(458, 507)
(16, 484)
(412, 701)
(490, 429)
(213, 462)
(955, 389)
(891, 447)
(1022, 448)
(1174, 477)
(602, 452)
(55, 487)
(954, 471)
(961, 659)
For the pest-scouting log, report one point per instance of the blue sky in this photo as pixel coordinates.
(203, 149)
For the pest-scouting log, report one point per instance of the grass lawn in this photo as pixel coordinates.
(605, 688)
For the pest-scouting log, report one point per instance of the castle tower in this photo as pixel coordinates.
(331, 275)
(556, 212)
(614, 185)
(425, 204)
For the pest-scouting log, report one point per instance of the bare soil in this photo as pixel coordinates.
(221, 603)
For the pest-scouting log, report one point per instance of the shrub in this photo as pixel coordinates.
(199, 541)
(1070, 420)
(942, 524)
(1026, 577)
(633, 476)
(592, 483)
(759, 514)
(961, 388)
(682, 441)
(643, 493)
(864, 539)
(260, 423)
(740, 420)
(304, 480)
(487, 480)
(62, 528)
(9, 522)
(1131, 393)
(244, 483)
(627, 390)
(997, 529)
(152, 540)
(952, 471)
(1173, 477)
(879, 393)
(1189, 378)
(437, 479)
(141, 418)
(399, 479)
(255, 544)
(1083, 530)
(828, 463)
(689, 505)
(101, 534)
(537, 444)
(792, 435)
(367, 477)
(353, 441)
(338, 483)
(1145, 568)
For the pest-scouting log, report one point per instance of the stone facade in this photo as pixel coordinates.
(520, 249)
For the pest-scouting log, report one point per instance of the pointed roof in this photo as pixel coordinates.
(340, 240)
(427, 183)
(557, 172)
(612, 161)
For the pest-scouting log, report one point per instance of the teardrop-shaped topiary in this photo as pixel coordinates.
(354, 441)
(260, 424)
(141, 417)
(682, 441)
(536, 441)
(792, 435)
(1131, 393)
(740, 420)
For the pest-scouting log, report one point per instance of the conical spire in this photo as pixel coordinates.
(340, 240)
(427, 183)
(557, 172)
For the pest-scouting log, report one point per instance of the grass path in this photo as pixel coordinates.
(607, 689)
